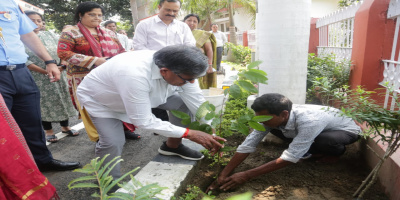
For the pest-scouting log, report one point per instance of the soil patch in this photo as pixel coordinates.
(305, 180)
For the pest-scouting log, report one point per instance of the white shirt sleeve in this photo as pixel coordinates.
(250, 143)
(140, 37)
(224, 40)
(135, 94)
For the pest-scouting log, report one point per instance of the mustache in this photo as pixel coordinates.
(171, 15)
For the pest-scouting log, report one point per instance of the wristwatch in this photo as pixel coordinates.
(50, 61)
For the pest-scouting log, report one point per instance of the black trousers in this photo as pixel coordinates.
(48, 126)
(160, 113)
(22, 98)
(328, 142)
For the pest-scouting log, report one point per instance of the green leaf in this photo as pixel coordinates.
(202, 111)
(215, 122)
(186, 121)
(256, 126)
(206, 128)
(85, 170)
(211, 107)
(255, 77)
(243, 129)
(245, 196)
(226, 91)
(95, 195)
(83, 178)
(261, 118)
(180, 115)
(243, 119)
(84, 185)
(254, 64)
(227, 149)
(209, 116)
(235, 91)
(258, 71)
(194, 125)
(247, 86)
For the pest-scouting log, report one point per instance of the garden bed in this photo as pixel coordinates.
(304, 180)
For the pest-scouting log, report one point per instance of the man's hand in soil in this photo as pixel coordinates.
(216, 184)
(206, 140)
(234, 180)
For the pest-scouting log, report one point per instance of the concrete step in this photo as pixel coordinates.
(172, 172)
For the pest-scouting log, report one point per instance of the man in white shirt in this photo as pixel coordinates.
(221, 40)
(130, 41)
(126, 88)
(163, 30)
(314, 131)
(123, 39)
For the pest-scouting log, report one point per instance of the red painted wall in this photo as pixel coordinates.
(314, 37)
(372, 41)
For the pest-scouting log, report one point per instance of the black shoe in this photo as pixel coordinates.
(58, 165)
(131, 135)
(182, 151)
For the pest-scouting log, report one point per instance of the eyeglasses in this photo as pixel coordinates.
(95, 15)
(186, 80)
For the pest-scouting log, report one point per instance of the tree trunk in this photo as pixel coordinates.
(135, 18)
(232, 31)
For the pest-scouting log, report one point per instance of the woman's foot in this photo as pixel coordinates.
(50, 137)
(69, 131)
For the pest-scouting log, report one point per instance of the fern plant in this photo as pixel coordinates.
(97, 172)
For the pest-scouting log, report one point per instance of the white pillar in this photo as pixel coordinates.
(283, 31)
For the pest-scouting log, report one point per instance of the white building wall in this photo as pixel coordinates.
(242, 20)
(320, 8)
(283, 31)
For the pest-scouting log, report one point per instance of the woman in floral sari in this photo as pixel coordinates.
(55, 101)
(19, 176)
(207, 42)
(86, 46)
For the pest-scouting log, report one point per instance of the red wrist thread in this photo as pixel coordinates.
(186, 133)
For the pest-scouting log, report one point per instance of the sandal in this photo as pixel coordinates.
(131, 135)
(71, 133)
(51, 138)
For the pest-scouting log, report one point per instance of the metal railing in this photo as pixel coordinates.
(336, 32)
(391, 72)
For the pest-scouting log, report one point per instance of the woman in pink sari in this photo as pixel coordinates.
(19, 176)
(86, 46)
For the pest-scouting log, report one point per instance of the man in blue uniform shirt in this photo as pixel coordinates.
(17, 86)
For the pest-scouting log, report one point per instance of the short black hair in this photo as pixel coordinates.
(31, 12)
(191, 15)
(274, 103)
(85, 7)
(162, 1)
(182, 59)
(109, 22)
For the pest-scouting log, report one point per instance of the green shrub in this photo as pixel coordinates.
(241, 53)
(326, 75)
